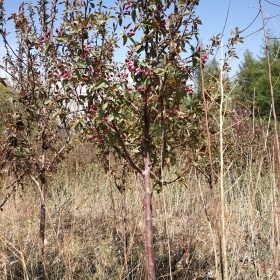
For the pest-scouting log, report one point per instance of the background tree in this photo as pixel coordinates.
(253, 78)
(38, 127)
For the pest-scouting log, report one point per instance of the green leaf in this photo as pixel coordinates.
(85, 22)
(145, 22)
(65, 83)
(61, 38)
(111, 18)
(83, 97)
(47, 49)
(111, 117)
(104, 106)
(47, 102)
(81, 64)
(133, 15)
(120, 20)
(157, 187)
(124, 39)
(101, 84)
(85, 35)
(78, 74)
(55, 115)
(194, 61)
(132, 40)
(112, 141)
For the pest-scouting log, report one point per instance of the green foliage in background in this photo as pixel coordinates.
(254, 82)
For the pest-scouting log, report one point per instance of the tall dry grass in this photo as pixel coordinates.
(84, 237)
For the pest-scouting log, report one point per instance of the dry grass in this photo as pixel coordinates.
(85, 229)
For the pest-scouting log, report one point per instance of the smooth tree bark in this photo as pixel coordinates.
(148, 213)
(148, 210)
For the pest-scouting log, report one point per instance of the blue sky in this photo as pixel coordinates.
(213, 15)
(241, 13)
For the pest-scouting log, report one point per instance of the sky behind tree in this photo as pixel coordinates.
(225, 15)
(217, 16)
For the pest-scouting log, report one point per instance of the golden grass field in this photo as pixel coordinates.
(85, 225)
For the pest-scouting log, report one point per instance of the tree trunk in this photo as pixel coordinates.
(41, 244)
(40, 269)
(42, 219)
(150, 264)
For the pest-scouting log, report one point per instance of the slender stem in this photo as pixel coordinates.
(224, 265)
(150, 270)
(43, 209)
(165, 211)
(212, 175)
